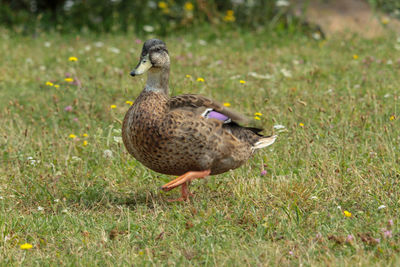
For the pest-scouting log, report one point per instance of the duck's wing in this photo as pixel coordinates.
(209, 109)
(206, 107)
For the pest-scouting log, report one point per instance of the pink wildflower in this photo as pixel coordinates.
(349, 238)
(68, 108)
(387, 233)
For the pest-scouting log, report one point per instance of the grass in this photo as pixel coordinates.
(108, 210)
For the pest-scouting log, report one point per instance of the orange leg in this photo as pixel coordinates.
(183, 181)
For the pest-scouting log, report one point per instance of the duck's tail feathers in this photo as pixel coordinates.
(264, 142)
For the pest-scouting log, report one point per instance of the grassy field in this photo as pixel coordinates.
(69, 188)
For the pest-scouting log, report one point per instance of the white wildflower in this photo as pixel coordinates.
(389, 62)
(32, 161)
(29, 60)
(99, 60)
(88, 48)
(64, 211)
(286, 73)
(282, 3)
(152, 4)
(316, 35)
(98, 44)
(202, 42)
(40, 208)
(381, 207)
(118, 139)
(148, 28)
(260, 76)
(279, 126)
(47, 44)
(339, 207)
(114, 50)
(75, 158)
(107, 153)
(1, 198)
(56, 200)
(234, 77)
(387, 95)
(68, 5)
(313, 197)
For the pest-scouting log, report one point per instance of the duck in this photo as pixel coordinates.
(189, 135)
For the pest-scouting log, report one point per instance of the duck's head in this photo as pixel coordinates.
(154, 57)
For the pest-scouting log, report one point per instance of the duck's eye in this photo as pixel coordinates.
(144, 60)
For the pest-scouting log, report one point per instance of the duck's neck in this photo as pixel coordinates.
(157, 80)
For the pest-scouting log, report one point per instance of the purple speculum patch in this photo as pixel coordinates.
(211, 114)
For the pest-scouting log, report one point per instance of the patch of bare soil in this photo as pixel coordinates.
(347, 16)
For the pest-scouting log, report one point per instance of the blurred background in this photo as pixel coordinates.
(315, 17)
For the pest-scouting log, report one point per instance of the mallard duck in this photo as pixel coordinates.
(189, 135)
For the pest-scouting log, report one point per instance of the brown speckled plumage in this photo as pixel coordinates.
(172, 135)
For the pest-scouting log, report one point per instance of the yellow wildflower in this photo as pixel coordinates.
(129, 102)
(49, 84)
(72, 136)
(26, 246)
(392, 118)
(200, 80)
(85, 135)
(257, 118)
(188, 76)
(141, 252)
(113, 106)
(85, 143)
(227, 104)
(229, 17)
(241, 81)
(188, 6)
(301, 124)
(162, 5)
(73, 59)
(69, 80)
(355, 56)
(347, 213)
(385, 20)
(257, 114)
(56, 86)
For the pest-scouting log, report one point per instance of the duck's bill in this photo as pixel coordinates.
(143, 66)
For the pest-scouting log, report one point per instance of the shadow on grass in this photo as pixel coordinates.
(97, 196)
